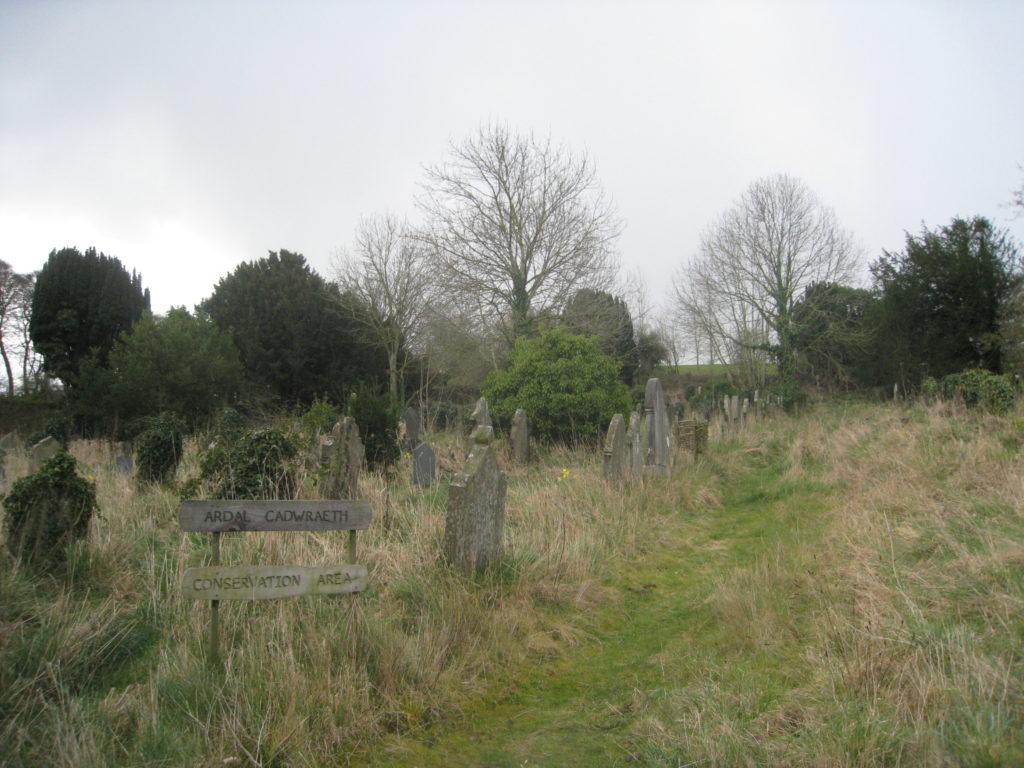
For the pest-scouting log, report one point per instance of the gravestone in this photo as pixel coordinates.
(658, 460)
(635, 446)
(424, 465)
(734, 409)
(481, 414)
(41, 451)
(693, 436)
(616, 453)
(745, 411)
(411, 419)
(475, 518)
(520, 437)
(125, 463)
(342, 454)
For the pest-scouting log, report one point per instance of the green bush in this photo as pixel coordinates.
(158, 447)
(254, 465)
(319, 419)
(48, 511)
(979, 388)
(569, 389)
(378, 426)
(997, 395)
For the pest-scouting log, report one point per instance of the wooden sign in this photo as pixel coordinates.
(271, 582)
(220, 516)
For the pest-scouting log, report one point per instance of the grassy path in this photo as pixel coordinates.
(670, 636)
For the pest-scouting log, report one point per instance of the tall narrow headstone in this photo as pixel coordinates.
(636, 444)
(520, 437)
(123, 458)
(343, 455)
(616, 454)
(411, 419)
(481, 414)
(659, 430)
(475, 517)
(424, 465)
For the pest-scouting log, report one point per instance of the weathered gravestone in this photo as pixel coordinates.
(424, 465)
(693, 436)
(616, 452)
(520, 437)
(41, 451)
(342, 454)
(411, 419)
(475, 519)
(636, 442)
(658, 460)
(481, 414)
(123, 458)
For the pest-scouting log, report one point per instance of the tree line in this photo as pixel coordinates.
(518, 242)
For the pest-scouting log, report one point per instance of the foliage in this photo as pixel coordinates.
(82, 302)
(832, 334)
(567, 386)
(319, 419)
(158, 447)
(377, 420)
(979, 388)
(294, 332)
(179, 364)
(606, 318)
(941, 299)
(253, 465)
(48, 511)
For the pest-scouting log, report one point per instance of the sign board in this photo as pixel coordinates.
(271, 582)
(224, 516)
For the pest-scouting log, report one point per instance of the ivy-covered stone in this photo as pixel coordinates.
(48, 511)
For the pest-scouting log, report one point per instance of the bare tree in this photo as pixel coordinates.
(754, 263)
(15, 296)
(516, 226)
(388, 273)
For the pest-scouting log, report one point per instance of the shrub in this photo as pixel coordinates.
(319, 419)
(567, 386)
(378, 426)
(48, 511)
(980, 388)
(158, 447)
(254, 465)
(997, 395)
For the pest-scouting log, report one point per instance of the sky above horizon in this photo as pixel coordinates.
(185, 138)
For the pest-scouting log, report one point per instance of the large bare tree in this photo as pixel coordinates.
(15, 301)
(388, 273)
(753, 265)
(516, 225)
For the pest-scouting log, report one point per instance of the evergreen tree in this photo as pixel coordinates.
(294, 332)
(81, 304)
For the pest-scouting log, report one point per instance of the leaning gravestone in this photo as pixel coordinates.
(616, 453)
(636, 443)
(412, 428)
(520, 437)
(659, 430)
(41, 451)
(475, 518)
(342, 453)
(424, 465)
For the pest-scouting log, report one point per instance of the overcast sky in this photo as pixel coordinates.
(187, 137)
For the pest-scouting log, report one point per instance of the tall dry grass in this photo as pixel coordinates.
(108, 665)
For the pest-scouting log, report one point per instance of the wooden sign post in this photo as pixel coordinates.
(216, 583)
